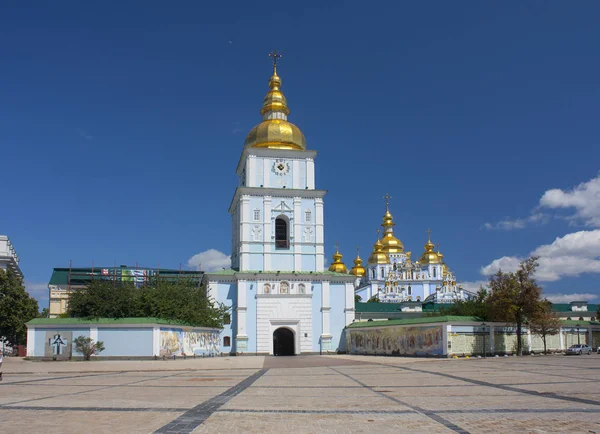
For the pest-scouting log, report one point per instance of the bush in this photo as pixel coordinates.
(87, 347)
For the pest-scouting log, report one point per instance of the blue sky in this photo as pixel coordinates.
(121, 125)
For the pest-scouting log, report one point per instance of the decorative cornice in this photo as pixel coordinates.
(287, 193)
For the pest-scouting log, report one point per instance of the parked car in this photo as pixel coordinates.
(579, 349)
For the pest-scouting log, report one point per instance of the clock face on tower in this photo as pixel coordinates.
(280, 167)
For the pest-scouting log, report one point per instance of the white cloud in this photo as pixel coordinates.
(506, 264)
(583, 243)
(520, 223)
(210, 260)
(474, 286)
(566, 298)
(585, 199)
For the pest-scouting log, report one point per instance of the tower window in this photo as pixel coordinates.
(256, 215)
(227, 341)
(281, 233)
(434, 272)
(307, 216)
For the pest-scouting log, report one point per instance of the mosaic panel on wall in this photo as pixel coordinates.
(397, 341)
(179, 342)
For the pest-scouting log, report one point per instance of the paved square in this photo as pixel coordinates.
(303, 394)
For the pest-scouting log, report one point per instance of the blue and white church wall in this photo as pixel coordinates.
(52, 338)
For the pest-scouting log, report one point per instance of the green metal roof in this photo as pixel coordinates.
(566, 307)
(423, 320)
(436, 307)
(108, 321)
(231, 272)
(79, 276)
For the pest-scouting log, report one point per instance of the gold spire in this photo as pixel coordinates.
(391, 244)
(358, 269)
(338, 266)
(429, 256)
(275, 131)
(378, 256)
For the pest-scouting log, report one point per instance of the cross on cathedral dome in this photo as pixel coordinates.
(275, 132)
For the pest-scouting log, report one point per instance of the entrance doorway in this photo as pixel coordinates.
(283, 342)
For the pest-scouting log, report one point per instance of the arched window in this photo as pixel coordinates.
(267, 288)
(373, 273)
(301, 288)
(281, 233)
(284, 288)
(256, 215)
(409, 290)
(382, 273)
(434, 272)
(226, 341)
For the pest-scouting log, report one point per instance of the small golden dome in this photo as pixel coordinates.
(378, 256)
(275, 131)
(358, 270)
(338, 266)
(391, 244)
(429, 256)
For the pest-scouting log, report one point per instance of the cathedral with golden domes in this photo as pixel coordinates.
(392, 277)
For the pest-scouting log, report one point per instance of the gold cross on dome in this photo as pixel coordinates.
(387, 198)
(428, 234)
(378, 233)
(357, 250)
(275, 57)
(337, 246)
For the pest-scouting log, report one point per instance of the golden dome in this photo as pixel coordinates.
(429, 256)
(275, 131)
(338, 266)
(358, 269)
(378, 256)
(391, 244)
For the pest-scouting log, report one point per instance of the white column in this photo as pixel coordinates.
(310, 173)
(325, 316)
(492, 342)
(156, 341)
(241, 334)
(296, 174)
(245, 232)
(319, 235)
(31, 342)
(349, 307)
(267, 241)
(298, 219)
(561, 339)
(94, 334)
(251, 171)
(529, 338)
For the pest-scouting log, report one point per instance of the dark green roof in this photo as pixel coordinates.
(395, 307)
(80, 276)
(231, 272)
(108, 321)
(425, 320)
(566, 307)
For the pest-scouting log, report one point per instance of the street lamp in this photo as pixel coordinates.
(484, 325)
(577, 334)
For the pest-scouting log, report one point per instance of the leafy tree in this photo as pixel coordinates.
(515, 297)
(45, 313)
(357, 298)
(16, 308)
(374, 299)
(103, 299)
(87, 346)
(544, 322)
(181, 300)
(477, 306)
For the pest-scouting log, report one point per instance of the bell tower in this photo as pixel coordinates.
(277, 214)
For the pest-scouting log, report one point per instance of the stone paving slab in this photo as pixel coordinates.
(528, 394)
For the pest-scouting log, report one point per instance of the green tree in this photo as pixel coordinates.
(181, 300)
(515, 297)
(477, 307)
(16, 308)
(374, 299)
(45, 313)
(357, 298)
(544, 322)
(87, 346)
(103, 299)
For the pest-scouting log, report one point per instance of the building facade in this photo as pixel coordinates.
(9, 260)
(283, 300)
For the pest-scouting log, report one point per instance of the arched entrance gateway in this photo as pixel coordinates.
(283, 342)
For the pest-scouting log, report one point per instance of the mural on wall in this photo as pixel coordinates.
(397, 341)
(178, 342)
